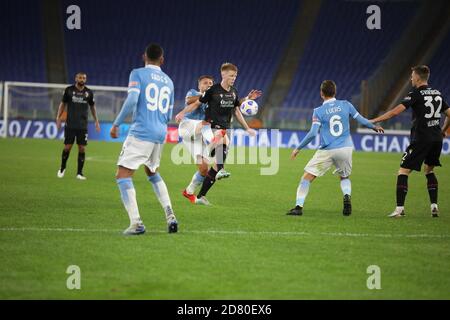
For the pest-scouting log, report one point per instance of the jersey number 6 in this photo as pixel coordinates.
(157, 98)
(335, 123)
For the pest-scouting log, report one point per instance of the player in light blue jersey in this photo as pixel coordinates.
(332, 121)
(150, 99)
(195, 132)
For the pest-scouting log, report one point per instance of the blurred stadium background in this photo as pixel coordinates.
(285, 48)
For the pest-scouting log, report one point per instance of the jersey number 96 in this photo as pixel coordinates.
(157, 98)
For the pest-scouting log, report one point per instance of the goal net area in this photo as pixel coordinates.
(29, 109)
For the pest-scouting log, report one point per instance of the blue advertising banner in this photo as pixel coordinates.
(265, 137)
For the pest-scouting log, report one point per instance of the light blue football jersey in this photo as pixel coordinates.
(333, 116)
(155, 103)
(199, 113)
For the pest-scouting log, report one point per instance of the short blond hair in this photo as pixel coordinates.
(228, 66)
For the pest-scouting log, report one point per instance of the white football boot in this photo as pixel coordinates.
(60, 173)
(398, 213)
(202, 201)
(222, 174)
(135, 229)
(434, 210)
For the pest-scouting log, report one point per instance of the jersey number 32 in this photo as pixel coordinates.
(429, 104)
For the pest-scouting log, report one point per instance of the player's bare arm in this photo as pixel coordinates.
(94, 115)
(114, 132)
(241, 120)
(192, 99)
(61, 109)
(189, 108)
(295, 153)
(128, 107)
(390, 114)
(446, 123)
(378, 129)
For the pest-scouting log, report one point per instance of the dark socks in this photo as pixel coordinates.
(208, 182)
(81, 157)
(64, 157)
(221, 155)
(402, 189)
(432, 185)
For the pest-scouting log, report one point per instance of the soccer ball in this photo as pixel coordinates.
(249, 108)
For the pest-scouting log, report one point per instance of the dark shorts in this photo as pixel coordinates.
(421, 152)
(80, 134)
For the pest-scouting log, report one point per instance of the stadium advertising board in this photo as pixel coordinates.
(265, 137)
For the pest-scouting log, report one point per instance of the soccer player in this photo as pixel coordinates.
(223, 102)
(76, 99)
(150, 99)
(426, 137)
(331, 120)
(191, 129)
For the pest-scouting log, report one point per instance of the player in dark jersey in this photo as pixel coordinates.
(425, 146)
(223, 102)
(77, 99)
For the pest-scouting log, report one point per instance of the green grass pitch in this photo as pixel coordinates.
(242, 247)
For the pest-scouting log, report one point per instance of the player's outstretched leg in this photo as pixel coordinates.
(432, 186)
(197, 180)
(128, 195)
(346, 187)
(64, 158)
(302, 193)
(402, 190)
(160, 189)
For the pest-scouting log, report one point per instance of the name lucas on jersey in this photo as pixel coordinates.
(333, 110)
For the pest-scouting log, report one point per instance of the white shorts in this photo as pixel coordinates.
(323, 160)
(136, 152)
(193, 142)
(186, 129)
(197, 148)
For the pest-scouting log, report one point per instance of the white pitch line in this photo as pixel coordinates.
(238, 232)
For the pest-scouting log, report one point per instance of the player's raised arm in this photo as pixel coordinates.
(189, 108)
(252, 95)
(129, 105)
(204, 98)
(192, 99)
(240, 118)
